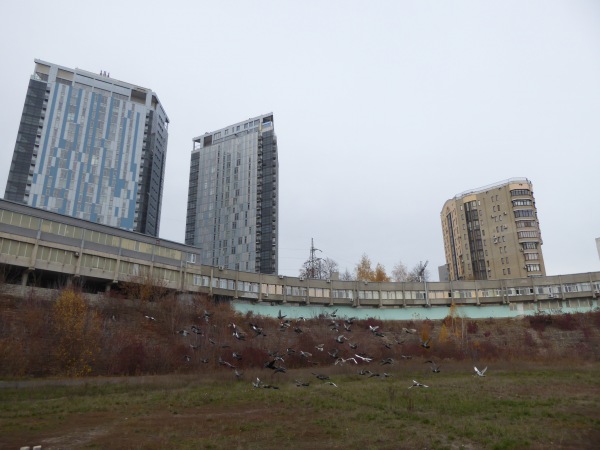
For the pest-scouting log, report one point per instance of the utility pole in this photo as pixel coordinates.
(314, 264)
(424, 280)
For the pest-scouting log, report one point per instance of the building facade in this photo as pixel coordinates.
(90, 147)
(232, 212)
(493, 233)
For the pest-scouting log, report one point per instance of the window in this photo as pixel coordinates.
(517, 192)
(527, 234)
(532, 267)
(525, 223)
(522, 202)
(524, 213)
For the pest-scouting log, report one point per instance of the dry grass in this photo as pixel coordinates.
(522, 406)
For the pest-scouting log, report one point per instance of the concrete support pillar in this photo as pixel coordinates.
(24, 278)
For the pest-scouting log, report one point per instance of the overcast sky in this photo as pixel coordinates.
(383, 110)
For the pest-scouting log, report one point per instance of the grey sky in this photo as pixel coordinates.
(383, 110)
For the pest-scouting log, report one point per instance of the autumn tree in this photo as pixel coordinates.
(379, 273)
(76, 329)
(364, 272)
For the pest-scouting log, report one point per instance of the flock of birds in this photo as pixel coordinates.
(339, 356)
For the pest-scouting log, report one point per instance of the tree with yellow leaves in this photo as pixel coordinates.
(364, 272)
(363, 269)
(379, 273)
(76, 329)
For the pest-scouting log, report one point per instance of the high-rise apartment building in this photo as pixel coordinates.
(91, 147)
(493, 233)
(232, 199)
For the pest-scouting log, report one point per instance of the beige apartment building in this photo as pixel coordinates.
(493, 233)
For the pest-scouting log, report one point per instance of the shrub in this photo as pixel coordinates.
(540, 320)
(130, 359)
(76, 331)
(472, 327)
(565, 322)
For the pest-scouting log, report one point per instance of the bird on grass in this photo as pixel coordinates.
(409, 330)
(149, 317)
(259, 384)
(331, 383)
(320, 376)
(417, 384)
(301, 383)
(425, 344)
(480, 373)
(435, 368)
(379, 375)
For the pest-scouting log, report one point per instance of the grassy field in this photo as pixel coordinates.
(514, 407)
